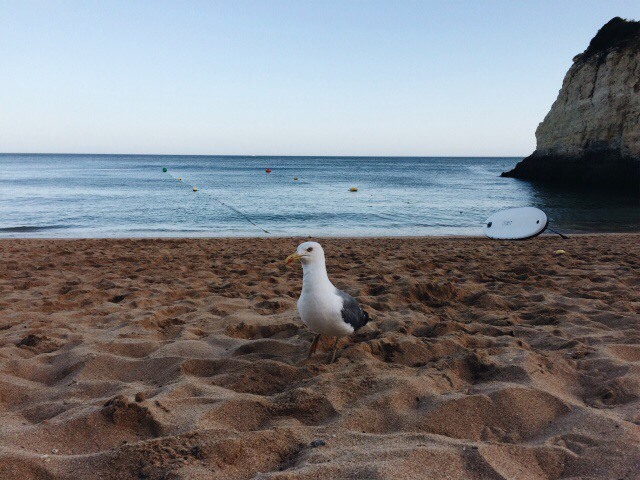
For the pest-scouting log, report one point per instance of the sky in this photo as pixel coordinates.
(388, 78)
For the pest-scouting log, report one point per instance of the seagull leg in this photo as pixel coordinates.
(335, 347)
(314, 345)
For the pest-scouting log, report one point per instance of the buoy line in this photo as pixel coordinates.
(230, 207)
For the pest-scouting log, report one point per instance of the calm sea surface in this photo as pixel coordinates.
(130, 196)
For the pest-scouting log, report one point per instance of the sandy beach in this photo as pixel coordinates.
(186, 359)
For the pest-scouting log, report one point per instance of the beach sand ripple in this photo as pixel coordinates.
(186, 358)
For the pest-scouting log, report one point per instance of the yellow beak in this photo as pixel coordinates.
(292, 257)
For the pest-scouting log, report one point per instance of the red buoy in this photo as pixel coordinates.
(268, 170)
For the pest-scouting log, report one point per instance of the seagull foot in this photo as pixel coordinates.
(314, 345)
(335, 347)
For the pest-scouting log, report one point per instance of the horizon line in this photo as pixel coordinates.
(258, 155)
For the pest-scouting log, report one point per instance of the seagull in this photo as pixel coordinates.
(323, 308)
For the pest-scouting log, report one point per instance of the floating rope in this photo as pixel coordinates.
(230, 207)
(553, 231)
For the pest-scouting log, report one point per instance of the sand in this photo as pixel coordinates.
(186, 359)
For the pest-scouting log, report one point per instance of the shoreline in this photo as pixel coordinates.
(377, 237)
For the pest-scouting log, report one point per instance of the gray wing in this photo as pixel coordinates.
(351, 311)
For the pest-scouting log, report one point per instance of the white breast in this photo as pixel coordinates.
(321, 312)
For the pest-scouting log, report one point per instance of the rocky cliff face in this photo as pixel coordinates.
(592, 133)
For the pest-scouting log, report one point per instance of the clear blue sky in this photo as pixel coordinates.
(287, 77)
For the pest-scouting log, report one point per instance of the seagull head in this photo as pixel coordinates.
(308, 253)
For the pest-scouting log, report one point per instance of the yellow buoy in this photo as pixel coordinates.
(195, 189)
(179, 179)
(559, 252)
(353, 189)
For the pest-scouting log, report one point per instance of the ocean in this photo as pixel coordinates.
(130, 196)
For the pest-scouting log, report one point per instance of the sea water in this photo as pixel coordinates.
(130, 196)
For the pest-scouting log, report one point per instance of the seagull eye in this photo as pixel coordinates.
(309, 249)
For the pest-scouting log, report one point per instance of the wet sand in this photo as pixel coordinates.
(186, 359)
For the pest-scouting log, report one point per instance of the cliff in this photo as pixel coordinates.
(591, 136)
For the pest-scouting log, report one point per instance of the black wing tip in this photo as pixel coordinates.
(362, 321)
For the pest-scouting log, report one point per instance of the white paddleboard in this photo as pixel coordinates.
(516, 223)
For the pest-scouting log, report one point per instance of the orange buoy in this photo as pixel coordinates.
(353, 189)
(268, 170)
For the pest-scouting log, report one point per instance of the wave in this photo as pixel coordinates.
(32, 228)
